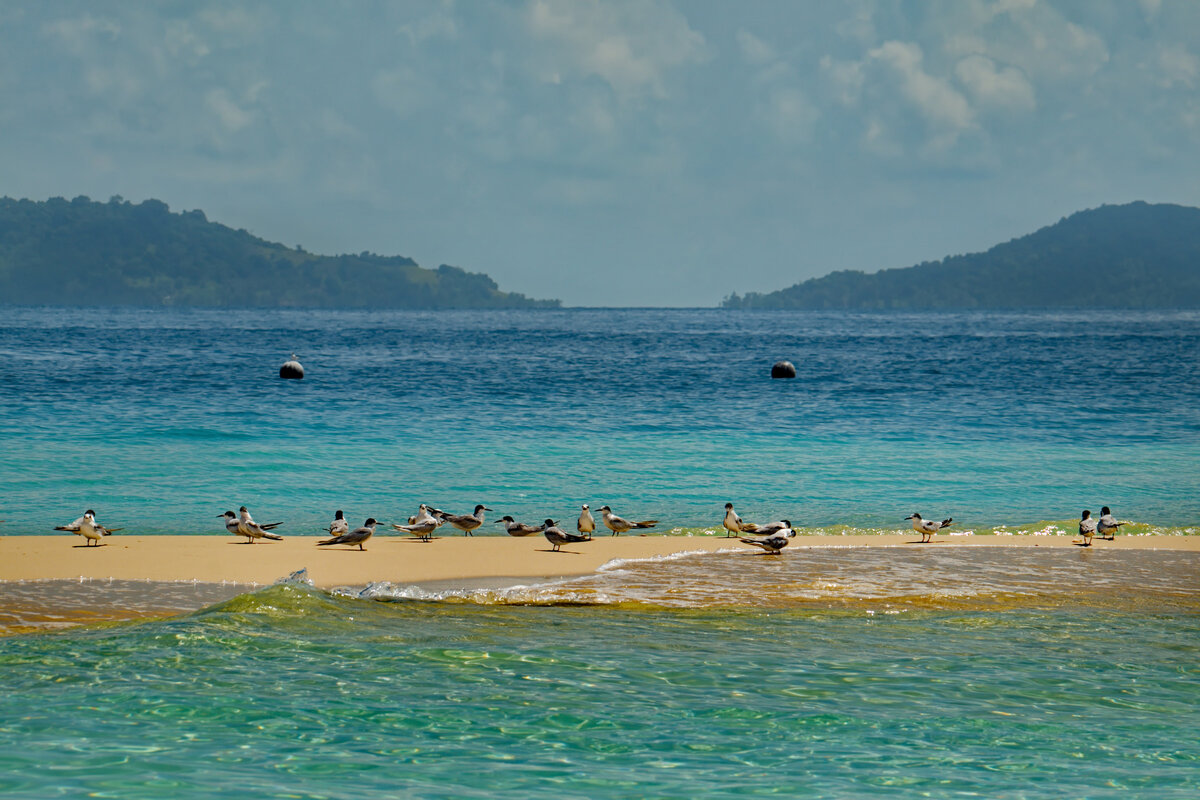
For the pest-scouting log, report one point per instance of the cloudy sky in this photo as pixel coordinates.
(610, 153)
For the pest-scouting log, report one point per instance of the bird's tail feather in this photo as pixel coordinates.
(946, 522)
(648, 523)
(274, 536)
(270, 526)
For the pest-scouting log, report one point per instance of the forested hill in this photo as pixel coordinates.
(81, 252)
(1128, 256)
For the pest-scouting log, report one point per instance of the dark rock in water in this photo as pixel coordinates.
(292, 369)
(783, 369)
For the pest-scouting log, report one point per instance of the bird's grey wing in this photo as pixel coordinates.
(73, 527)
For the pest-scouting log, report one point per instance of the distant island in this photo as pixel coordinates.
(82, 252)
(1124, 256)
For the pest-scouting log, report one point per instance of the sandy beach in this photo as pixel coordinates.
(215, 559)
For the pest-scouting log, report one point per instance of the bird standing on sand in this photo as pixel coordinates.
(586, 525)
(246, 526)
(422, 526)
(356, 536)
(771, 528)
(464, 522)
(619, 525)
(1107, 525)
(87, 527)
(515, 528)
(771, 544)
(339, 524)
(558, 537)
(733, 523)
(257, 530)
(1087, 528)
(927, 527)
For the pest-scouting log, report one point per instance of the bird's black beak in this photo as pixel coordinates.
(909, 517)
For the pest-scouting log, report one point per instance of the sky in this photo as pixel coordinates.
(649, 153)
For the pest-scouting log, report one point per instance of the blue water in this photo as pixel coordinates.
(162, 419)
(823, 672)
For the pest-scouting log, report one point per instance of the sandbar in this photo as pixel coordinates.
(217, 559)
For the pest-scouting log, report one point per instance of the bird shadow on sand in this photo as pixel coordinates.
(572, 552)
(931, 541)
(88, 546)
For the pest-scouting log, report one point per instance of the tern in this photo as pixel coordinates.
(733, 523)
(422, 526)
(339, 524)
(256, 530)
(515, 528)
(770, 529)
(1107, 526)
(87, 527)
(356, 536)
(586, 525)
(619, 525)
(927, 527)
(558, 537)
(771, 544)
(1087, 527)
(248, 527)
(464, 522)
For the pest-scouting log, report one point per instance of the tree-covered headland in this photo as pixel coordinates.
(82, 252)
(1122, 256)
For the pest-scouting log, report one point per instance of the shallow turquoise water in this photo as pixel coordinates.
(932, 677)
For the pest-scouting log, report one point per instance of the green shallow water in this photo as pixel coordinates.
(293, 692)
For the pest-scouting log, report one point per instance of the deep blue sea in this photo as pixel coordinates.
(162, 419)
(979, 672)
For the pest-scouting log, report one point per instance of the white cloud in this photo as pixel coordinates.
(438, 25)
(631, 46)
(232, 117)
(80, 33)
(754, 49)
(1177, 66)
(846, 78)
(182, 42)
(790, 114)
(992, 86)
(937, 100)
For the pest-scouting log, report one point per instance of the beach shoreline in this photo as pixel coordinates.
(216, 559)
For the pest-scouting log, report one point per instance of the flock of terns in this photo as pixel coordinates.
(771, 537)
